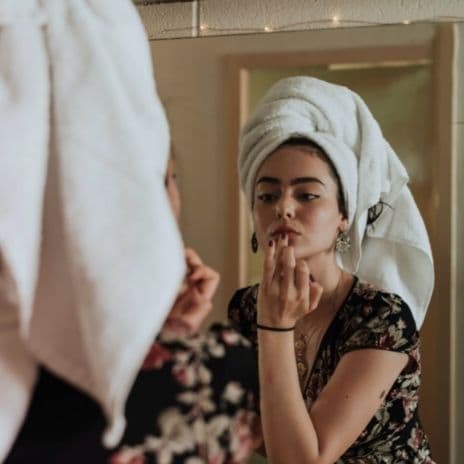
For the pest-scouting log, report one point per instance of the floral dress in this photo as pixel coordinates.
(369, 318)
(194, 402)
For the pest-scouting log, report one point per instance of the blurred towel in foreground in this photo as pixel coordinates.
(91, 258)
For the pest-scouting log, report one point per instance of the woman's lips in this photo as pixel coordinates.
(282, 232)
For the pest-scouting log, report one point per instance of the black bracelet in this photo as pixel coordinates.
(274, 329)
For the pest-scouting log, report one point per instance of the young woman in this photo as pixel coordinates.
(339, 362)
(194, 399)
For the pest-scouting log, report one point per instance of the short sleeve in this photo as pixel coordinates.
(242, 312)
(382, 321)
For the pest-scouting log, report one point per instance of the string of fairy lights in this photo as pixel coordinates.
(201, 29)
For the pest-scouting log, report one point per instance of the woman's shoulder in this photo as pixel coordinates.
(190, 382)
(375, 317)
(370, 301)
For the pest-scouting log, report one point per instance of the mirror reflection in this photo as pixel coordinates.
(211, 85)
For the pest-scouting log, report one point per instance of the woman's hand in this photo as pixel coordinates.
(286, 293)
(194, 301)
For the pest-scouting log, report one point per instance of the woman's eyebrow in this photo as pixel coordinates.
(304, 180)
(268, 180)
(297, 180)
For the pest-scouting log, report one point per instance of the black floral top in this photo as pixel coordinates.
(369, 318)
(194, 402)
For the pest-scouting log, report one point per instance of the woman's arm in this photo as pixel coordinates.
(350, 399)
(340, 413)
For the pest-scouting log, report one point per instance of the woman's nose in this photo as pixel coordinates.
(285, 208)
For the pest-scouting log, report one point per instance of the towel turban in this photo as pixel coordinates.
(394, 252)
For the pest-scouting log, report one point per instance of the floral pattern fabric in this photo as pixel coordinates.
(369, 318)
(194, 402)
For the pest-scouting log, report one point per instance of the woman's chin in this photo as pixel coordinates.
(304, 252)
(300, 252)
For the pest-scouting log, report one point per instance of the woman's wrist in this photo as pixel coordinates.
(275, 327)
(277, 322)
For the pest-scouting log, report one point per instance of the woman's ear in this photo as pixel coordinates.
(343, 225)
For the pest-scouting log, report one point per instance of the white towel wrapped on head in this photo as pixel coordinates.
(394, 252)
(91, 257)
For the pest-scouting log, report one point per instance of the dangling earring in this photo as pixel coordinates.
(254, 243)
(342, 243)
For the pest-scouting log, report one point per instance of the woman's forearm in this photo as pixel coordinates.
(289, 433)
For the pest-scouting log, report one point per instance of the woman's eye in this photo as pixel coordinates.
(307, 196)
(267, 197)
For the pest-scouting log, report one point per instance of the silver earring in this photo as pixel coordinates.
(342, 243)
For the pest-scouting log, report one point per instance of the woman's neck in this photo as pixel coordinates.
(335, 282)
(326, 273)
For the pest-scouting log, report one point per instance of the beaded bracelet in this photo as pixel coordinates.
(274, 329)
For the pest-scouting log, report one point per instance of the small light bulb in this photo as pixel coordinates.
(336, 20)
(267, 29)
(406, 21)
(203, 27)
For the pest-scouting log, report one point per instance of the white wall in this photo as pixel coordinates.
(238, 16)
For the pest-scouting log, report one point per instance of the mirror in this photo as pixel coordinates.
(405, 73)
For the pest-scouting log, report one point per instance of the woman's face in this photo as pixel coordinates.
(296, 194)
(172, 189)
